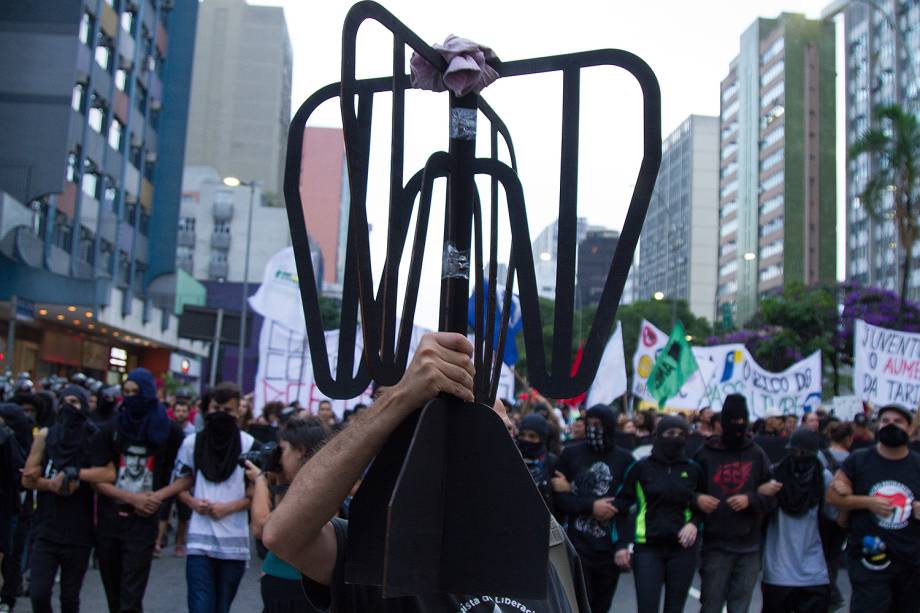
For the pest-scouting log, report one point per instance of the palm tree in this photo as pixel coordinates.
(895, 145)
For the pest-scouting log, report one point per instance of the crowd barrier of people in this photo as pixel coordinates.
(105, 475)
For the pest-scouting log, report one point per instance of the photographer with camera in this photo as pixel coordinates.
(59, 469)
(271, 472)
(218, 539)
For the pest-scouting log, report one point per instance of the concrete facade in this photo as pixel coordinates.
(777, 190)
(679, 244)
(213, 226)
(241, 94)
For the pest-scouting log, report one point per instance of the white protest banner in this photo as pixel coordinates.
(278, 297)
(285, 370)
(610, 381)
(847, 407)
(886, 366)
(731, 369)
(793, 391)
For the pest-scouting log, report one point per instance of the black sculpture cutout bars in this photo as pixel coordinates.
(447, 505)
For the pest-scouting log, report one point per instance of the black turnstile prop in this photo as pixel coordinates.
(447, 505)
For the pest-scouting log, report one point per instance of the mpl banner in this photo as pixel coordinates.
(731, 369)
(886, 366)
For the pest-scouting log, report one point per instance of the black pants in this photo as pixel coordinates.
(669, 566)
(601, 584)
(891, 590)
(124, 566)
(11, 568)
(784, 599)
(284, 596)
(46, 558)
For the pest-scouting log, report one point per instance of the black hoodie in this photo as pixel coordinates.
(592, 475)
(729, 472)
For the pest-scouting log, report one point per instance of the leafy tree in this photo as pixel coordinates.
(895, 146)
(876, 306)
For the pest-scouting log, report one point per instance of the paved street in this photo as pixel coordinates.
(166, 592)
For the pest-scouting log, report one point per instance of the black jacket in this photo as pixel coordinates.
(592, 476)
(729, 473)
(664, 495)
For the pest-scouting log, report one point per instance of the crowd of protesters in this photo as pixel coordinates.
(106, 474)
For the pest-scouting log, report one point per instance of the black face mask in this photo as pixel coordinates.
(594, 435)
(733, 434)
(220, 423)
(892, 436)
(669, 449)
(531, 450)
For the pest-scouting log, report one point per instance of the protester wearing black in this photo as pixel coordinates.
(771, 439)
(531, 440)
(595, 470)
(880, 486)
(126, 530)
(796, 576)
(58, 468)
(734, 469)
(106, 403)
(661, 489)
(16, 436)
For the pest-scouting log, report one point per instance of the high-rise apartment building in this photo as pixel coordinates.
(214, 230)
(241, 93)
(777, 192)
(881, 42)
(595, 253)
(679, 246)
(93, 113)
(545, 249)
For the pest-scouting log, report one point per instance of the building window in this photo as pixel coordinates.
(116, 132)
(730, 110)
(772, 249)
(772, 181)
(72, 174)
(90, 183)
(121, 79)
(78, 98)
(95, 118)
(130, 212)
(772, 73)
(729, 268)
(771, 205)
(775, 49)
(773, 136)
(728, 228)
(771, 272)
(771, 160)
(111, 192)
(774, 94)
(771, 227)
(127, 22)
(144, 225)
(140, 96)
(728, 208)
(728, 249)
(187, 224)
(86, 29)
(103, 56)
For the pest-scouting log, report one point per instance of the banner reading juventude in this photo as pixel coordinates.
(886, 366)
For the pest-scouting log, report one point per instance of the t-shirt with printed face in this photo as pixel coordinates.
(135, 465)
(340, 597)
(898, 481)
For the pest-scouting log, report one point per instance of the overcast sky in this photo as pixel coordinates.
(689, 45)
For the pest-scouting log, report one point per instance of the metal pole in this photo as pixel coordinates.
(215, 347)
(11, 335)
(245, 306)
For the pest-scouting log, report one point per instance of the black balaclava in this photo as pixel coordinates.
(68, 439)
(801, 474)
(218, 447)
(537, 424)
(600, 439)
(670, 450)
(892, 435)
(734, 407)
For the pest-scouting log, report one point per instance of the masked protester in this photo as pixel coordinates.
(795, 574)
(15, 441)
(879, 486)
(662, 489)
(106, 403)
(218, 540)
(531, 441)
(734, 469)
(135, 441)
(58, 468)
(595, 469)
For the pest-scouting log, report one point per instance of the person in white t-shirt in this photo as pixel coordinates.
(218, 538)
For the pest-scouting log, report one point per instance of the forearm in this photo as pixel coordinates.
(240, 504)
(317, 492)
(39, 484)
(110, 491)
(98, 474)
(186, 498)
(848, 503)
(178, 486)
(260, 508)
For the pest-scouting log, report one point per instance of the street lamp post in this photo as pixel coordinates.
(244, 307)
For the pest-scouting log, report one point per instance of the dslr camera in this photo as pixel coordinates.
(267, 457)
